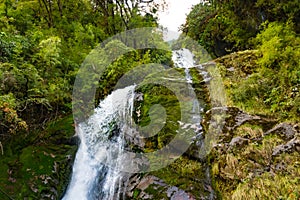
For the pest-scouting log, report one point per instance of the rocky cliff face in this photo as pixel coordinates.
(251, 153)
(255, 156)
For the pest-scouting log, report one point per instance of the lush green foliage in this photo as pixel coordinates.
(227, 26)
(276, 83)
(271, 27)
(43, 43)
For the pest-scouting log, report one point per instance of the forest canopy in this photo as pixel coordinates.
(42, 45)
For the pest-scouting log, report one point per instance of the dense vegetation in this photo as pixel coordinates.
(43, 43)
(257, 49)
(42, 46)
(272, 28)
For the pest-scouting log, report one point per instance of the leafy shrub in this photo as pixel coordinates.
(276, 83)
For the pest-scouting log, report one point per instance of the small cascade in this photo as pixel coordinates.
(184, 59)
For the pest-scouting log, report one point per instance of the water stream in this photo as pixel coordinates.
(105, 129)
(91, 179)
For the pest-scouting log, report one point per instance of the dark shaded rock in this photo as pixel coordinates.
(236, 117)
(286, 131)
(131, 184)
(72, 141)
(291, 146)
(60, 137)
(238, 142)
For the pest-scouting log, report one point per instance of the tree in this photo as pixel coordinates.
(122, 12)
(225, 26)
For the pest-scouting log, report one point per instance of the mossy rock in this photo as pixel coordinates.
(250, 172)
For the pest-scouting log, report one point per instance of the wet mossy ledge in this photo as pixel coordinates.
(255, 156)
(187, 177)
(37, 165)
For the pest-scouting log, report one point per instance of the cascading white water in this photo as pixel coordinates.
(101, 142)
(96, 170)
(184, 58)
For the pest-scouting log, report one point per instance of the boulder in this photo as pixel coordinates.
(231, 119)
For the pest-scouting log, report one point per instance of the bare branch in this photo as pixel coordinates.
(1, 146)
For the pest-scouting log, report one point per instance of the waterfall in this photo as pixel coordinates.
(101, 142)
(97, 168)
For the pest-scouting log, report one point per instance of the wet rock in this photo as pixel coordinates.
(175, 193)
(135, 138)
(144, 195)
(131, 184)
(286, 131)
(139, 96)
(291, 146)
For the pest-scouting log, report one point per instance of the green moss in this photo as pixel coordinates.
(136, 193)
(185, 174)
(158, 192)
(257, 88)
(157, 94)
(250, 131)
(38, 166)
